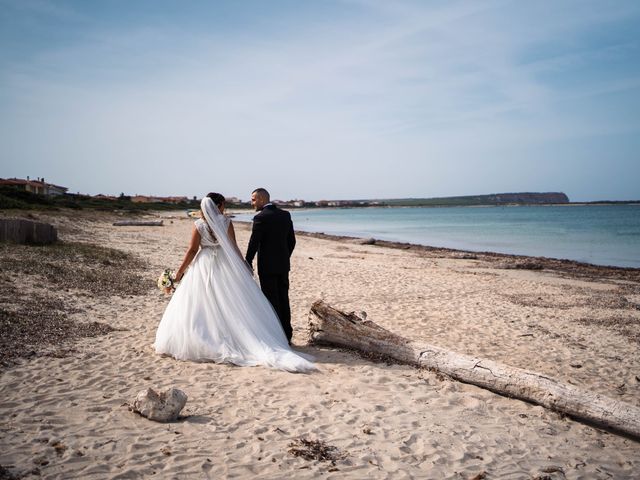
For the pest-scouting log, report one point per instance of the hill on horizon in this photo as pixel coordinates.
(526, 198)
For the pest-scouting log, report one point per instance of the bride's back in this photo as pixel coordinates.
(207, 237)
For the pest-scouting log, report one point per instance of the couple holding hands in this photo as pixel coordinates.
(219, 313)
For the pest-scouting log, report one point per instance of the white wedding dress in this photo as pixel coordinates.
(218, 312)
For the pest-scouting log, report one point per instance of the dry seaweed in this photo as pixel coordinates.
(6, 474)
(525, 265)
(34, 308)
(38, 324)
(581, 298)
(99, 270)
(315, 450)
(628, 327)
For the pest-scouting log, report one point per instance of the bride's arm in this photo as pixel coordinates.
(232, 235)
(194, 245)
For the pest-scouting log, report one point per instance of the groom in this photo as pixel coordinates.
(273, 239)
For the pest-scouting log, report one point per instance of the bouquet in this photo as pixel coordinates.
(166, 281)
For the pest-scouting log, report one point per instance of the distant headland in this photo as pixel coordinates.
(522, 198)
(493, 199)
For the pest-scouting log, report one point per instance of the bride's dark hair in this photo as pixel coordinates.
(217, 198)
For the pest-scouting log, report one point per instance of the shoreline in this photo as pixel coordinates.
(525, 262)
(517, 261)
(600, 236)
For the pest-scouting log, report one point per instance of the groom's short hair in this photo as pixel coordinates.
(262, 192)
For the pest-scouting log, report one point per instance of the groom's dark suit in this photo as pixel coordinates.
(273, 239)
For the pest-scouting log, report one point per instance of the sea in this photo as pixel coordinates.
(597, 234)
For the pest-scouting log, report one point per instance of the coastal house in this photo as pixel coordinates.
(341, 203)
(38, 186)
(175, 199)
(145, 199)
(100, 196)
(345, 203)
(149, 199)
(289, 203)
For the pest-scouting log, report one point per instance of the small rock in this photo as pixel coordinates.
(367, 241)
(160, 407)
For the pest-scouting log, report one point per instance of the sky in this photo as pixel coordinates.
(347, 99)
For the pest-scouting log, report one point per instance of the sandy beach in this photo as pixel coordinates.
(64, 412)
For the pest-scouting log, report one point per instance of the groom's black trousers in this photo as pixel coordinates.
(276, 288)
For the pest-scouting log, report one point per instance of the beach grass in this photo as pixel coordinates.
(38, 290)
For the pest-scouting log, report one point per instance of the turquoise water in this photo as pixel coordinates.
(598, 234)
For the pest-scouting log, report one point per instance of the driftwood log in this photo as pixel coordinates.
(332, 327)
(138, 223)
(18, 230)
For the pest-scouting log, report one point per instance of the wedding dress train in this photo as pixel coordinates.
(218, 312)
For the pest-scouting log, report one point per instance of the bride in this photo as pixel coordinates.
(218, 313)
